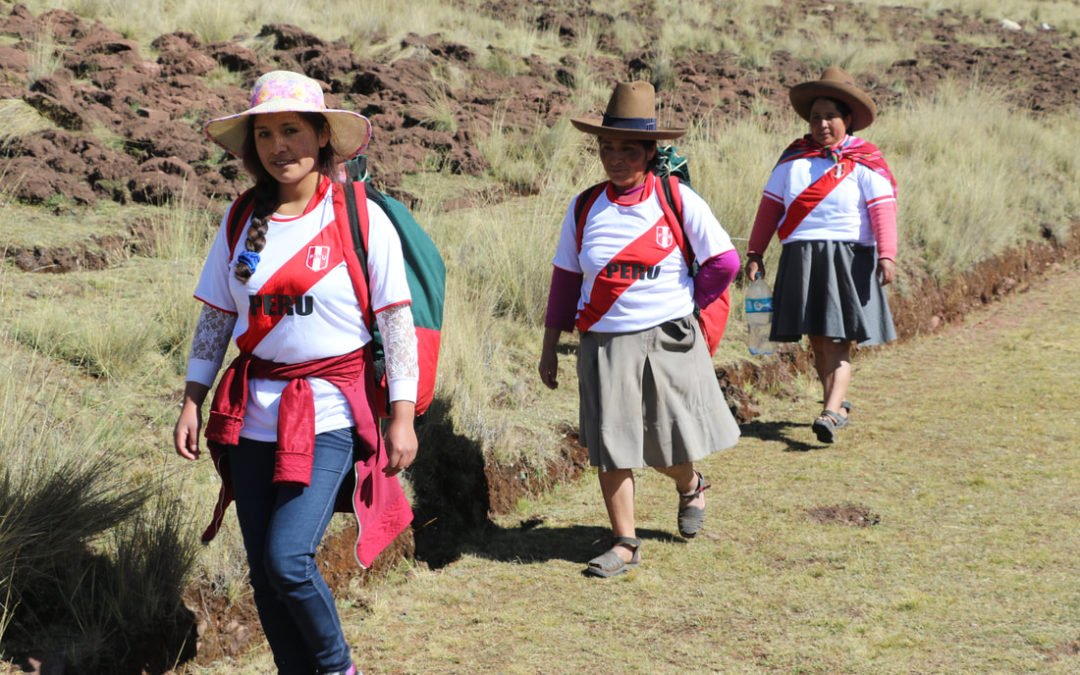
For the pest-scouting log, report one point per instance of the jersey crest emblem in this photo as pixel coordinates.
(318, 257)
(664, 237)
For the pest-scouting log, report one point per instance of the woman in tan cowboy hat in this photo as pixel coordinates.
(281, 279)
(648, 395)
(831, 201)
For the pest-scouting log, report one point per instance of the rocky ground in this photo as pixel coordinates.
(130, 122)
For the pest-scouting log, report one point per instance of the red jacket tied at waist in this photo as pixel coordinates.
(296, 410)
(381, 508)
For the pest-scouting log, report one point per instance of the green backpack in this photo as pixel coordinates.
(426, 273)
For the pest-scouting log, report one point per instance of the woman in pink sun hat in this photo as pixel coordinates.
(294, 412)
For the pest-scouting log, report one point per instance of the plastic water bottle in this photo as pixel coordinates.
(759, 316)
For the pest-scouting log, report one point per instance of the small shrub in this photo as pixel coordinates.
(93, 566)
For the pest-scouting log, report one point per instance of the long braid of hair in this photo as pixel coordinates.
(266, 198)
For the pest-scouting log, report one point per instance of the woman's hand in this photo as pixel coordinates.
(401, 443)
(549, 368)
(188, 426)
(886, 271)
(549, 359)
(755, 265)
(186, 433)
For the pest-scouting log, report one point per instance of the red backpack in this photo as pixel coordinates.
(713, 319)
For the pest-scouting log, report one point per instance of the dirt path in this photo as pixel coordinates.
(938, 536)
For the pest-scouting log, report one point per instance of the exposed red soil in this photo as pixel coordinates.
(855, 515)
(129, 130)
(97, 253)
(130, 123)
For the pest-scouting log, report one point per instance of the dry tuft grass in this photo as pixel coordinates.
(20, 119)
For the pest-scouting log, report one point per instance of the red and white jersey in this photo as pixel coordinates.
(619, 236)
(842, 215)
(283, 317)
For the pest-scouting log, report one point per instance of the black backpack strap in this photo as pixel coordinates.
(354, 227)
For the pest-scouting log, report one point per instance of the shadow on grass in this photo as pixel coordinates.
(450, 485)
(456, 487)
(779, 431)
(529, 543)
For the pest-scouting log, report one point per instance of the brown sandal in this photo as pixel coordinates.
(691, 518)
(609, 564)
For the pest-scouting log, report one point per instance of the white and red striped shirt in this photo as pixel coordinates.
(661, 290)
(280, 322)
(844, 214)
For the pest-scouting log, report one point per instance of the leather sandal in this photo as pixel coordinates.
(609, 564)
(827, 424)
(691, 518)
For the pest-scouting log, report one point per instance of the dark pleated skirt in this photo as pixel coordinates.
(830, 288)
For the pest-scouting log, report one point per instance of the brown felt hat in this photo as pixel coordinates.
(837, 84)
(630, 114)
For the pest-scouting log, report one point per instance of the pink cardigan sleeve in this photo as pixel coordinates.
(714, 277)
(562, 299)
(768, 217)
(883, 223)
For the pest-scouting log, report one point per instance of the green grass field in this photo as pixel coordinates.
(962, 451)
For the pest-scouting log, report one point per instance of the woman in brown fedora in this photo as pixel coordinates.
(831, 201)
(648, 395)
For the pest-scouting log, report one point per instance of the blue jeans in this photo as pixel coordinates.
(282, 526)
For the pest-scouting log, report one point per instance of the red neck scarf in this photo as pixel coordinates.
(856, 149)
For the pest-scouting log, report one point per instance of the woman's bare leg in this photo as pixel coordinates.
(685, 480)
(617, 486)
(832, 360)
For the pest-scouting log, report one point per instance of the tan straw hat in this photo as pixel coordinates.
(630, 114)
(835, 83)
(286, 91)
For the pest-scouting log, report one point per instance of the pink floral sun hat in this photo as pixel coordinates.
(286, 91)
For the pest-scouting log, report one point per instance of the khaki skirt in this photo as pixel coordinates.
(651, 398)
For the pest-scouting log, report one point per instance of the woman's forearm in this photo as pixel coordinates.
(400, 348)
(768, 217)
(209, 344)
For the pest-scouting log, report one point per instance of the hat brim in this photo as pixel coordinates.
(350, 132)
(596, 127)
(862, 106)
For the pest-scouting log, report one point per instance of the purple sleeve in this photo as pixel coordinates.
(562, 299)
(714, 277)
